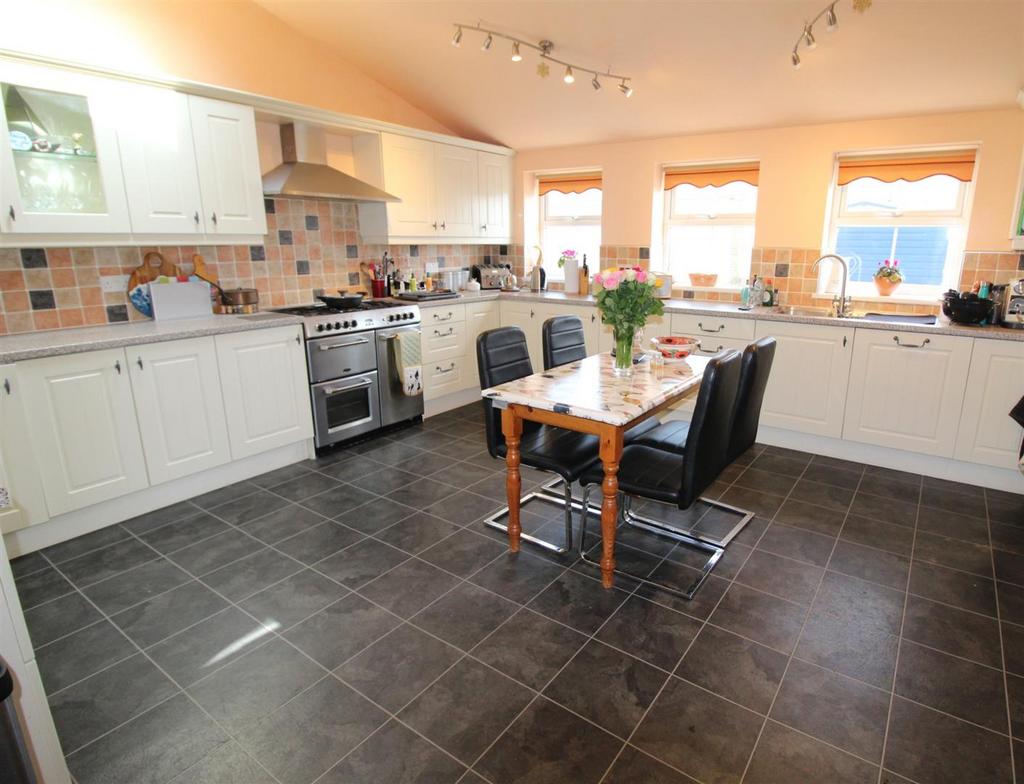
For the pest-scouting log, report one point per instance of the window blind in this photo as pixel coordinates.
(715, 174)
(577, 182)
(911, 168)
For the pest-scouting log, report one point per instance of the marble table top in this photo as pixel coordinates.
(589, 389)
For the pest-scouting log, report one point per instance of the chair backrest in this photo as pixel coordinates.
(501, 355)
(705, 453)
(756, 365)
(564, 341)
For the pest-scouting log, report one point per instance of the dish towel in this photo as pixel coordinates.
(407, 359)
(1017, 415)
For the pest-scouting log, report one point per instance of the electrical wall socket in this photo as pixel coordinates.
(115, 284)
(431, 267)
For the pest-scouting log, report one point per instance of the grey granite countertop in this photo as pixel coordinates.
(32, 345)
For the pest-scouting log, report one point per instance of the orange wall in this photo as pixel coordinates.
(796, 172)
(232, 44)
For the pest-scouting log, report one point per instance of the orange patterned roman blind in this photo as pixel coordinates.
(712, 174)
(575, 182)
(890, 168)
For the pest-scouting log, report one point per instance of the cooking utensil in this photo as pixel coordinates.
(344, 300)
(967, 308)
(238, 300)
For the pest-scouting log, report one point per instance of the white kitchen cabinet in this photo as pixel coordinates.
(224, 135)
(807, 386)
(176, 388)
(60, 170)
(158, 158)
(455, 191)
(443, 341)
(445, 377)
(494, 196)
(995, 382)
(480, 317)
(265, 389)
(587, 314)
(409, 174)
(906, 390)
(19, 470)
(655, 326)
(526, 316)
(81, 417)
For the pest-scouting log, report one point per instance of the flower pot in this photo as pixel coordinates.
(886, 286)
(623, 359)
(572, 276)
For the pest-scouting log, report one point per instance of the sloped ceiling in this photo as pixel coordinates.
(697, 66)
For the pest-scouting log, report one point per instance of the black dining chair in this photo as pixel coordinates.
(678, 478)
(563, 341)
(502, 356)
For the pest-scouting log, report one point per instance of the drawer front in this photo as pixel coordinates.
(444, 377)
(712, 326)
(709, 346)
(443, 341)
(442, 314)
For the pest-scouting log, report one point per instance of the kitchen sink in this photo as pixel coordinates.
(804, 310)
(892, 318)
(898, 318)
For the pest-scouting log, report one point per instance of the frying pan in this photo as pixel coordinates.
(345, 301)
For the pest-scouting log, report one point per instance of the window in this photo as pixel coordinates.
(911, 209)
(709, 222)
(570, 219)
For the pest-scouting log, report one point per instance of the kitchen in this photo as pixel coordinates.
(307, 491)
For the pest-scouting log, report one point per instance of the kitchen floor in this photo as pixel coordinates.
(350, 620)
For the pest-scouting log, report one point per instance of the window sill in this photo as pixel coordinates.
(909, 300)
(707, 289)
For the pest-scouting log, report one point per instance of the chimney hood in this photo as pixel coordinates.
(305, 173)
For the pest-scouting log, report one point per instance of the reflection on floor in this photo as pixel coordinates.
(350, 620)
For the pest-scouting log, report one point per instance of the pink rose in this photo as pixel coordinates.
(611, 281)
(641, 275)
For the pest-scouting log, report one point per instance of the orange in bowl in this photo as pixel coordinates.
(703, 280)
(675, 346)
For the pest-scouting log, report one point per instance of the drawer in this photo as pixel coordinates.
(443, 341)
(442, 314)
(712, 326)
(444, 377)
(711, 345)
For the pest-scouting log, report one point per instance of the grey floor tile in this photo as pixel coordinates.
(341, 630)
(101, 564)
(295, 598)
(635, 767)
(396, 755)
(517, 576)
(733, 667)
(224, 494)
(136, 585)
(282, 523)
(409, 587)
(151, 748)
(362, 562)
(305, 486)
(892, 538)
(228, 694)
(764, 504)
(826, 496)
(1007, 537)
(316, 543)
(398, 667)
(466, 709)
(966, 591)
(1011, 602)
(876, 566)
(42, 586)
(547, 744)
(465, 615)
(387, 481)
(244, 577)
(828, 475)
(579, 602)
(463, 553)
(374, 516)
(422, 493)
(88, 709)
(250, 507)
(778, 464)
(810, 517)
(1013, 647)
(754, 478)
(62, 616)
(1009, 567)
(150, 521)
(416, 533)
(300, 741)
(888, 510)
(86, 543)
(530, 648)
(227, 764)
(954, 631)
(766, 619)
(700, 606)
(466, 508)
(338, 499)
(28, 564)
(279, 475)
(651, 632)
(955, 554)
(944, 522)
(168, 613)
(797, 543)
(218, 551)
(81, 654)
(861, 601)
(945, 496)
(780, 576)
(206, 647)
(182, 533)
(848, 645)
(783, 755)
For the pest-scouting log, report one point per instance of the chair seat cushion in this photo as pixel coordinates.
(670, 437)
(553, 449)
(644, 471)
(637, 432)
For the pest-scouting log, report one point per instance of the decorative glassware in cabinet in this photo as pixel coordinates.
(54, 150)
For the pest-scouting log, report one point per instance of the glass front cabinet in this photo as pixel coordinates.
(60, 171)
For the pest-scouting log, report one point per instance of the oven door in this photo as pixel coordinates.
(340, 355)
(345, 408)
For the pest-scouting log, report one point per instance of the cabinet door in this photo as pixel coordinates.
(176, 388)
(494, 196)
(265, 387)
(588, 316)
(995, 383)
(655, 326)
(19, 469)
(807, 385)
(82, 420)
(224, 135)
(526, 316)
(455, 199)
(480, 317)
(409, 167)
(60, 171)
(907, 390)
(159, 162)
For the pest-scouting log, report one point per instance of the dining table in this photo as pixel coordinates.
(588, 396)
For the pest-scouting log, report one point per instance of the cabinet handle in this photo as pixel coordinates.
(335, 390)
(117, 366)
(138, 361)
(346, 344)
(531, 314)
(446, 318)
(434, 224)
(451, 331)
(593, 318)
(195, 217)
(298, 340)
(443, 226)
(702, 328)
(844, 341)
(922, 344)
(10, 211)
(450, 368)
(484, 227)
(7, 386)
(213, 217)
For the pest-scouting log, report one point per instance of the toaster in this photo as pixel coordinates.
(492, 277)
(664, 290)
(1012, 314)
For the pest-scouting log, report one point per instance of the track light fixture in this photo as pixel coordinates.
(796, 59)
(543, 48)
(831, 23)
(808, 38)
(831, 20)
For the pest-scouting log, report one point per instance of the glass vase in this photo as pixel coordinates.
(623, 364)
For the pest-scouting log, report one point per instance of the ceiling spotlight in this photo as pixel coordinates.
(831, 20)
(795, 58)
(625, 89)
(516, 57)
(568, 78)
(808, 37)
(457, 38)
(595, 83)
(487, 43)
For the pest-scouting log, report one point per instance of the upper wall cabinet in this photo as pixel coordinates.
(494, 175)
(455, 189)
(60, 170)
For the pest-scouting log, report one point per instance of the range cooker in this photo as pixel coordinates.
(354, 379)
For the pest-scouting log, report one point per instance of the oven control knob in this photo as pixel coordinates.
(337, 325)
(328, 327)
(391, 317)
(319, 327)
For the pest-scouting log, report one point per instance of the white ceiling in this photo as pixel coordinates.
(696, 66)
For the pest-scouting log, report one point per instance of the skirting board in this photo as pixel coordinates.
(91, 518)
(447, 402)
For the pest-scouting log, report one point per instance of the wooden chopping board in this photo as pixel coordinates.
(153, 266)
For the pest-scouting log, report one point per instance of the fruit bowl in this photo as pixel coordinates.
(675, 346)
(703, 279)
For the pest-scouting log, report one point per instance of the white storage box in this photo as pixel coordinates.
(181, 300)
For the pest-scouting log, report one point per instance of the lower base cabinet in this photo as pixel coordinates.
(995, 384)
(19, 472)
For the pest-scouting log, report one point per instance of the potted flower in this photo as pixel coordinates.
(570, 263)
(888, 277)
(626, 298)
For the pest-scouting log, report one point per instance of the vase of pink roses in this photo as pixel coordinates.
(626, 297)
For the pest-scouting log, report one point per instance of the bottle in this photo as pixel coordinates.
(535, 279)
(757, 292)
(766, 295)
(745, 295)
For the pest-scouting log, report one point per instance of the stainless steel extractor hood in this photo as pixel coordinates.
(306, 174)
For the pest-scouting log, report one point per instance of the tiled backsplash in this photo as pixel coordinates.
(309, 245)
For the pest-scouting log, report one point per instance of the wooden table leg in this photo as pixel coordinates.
(611, 454)
(512, 428)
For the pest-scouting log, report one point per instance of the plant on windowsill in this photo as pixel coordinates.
(569, 262)
(888, 277)
(626, 298)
